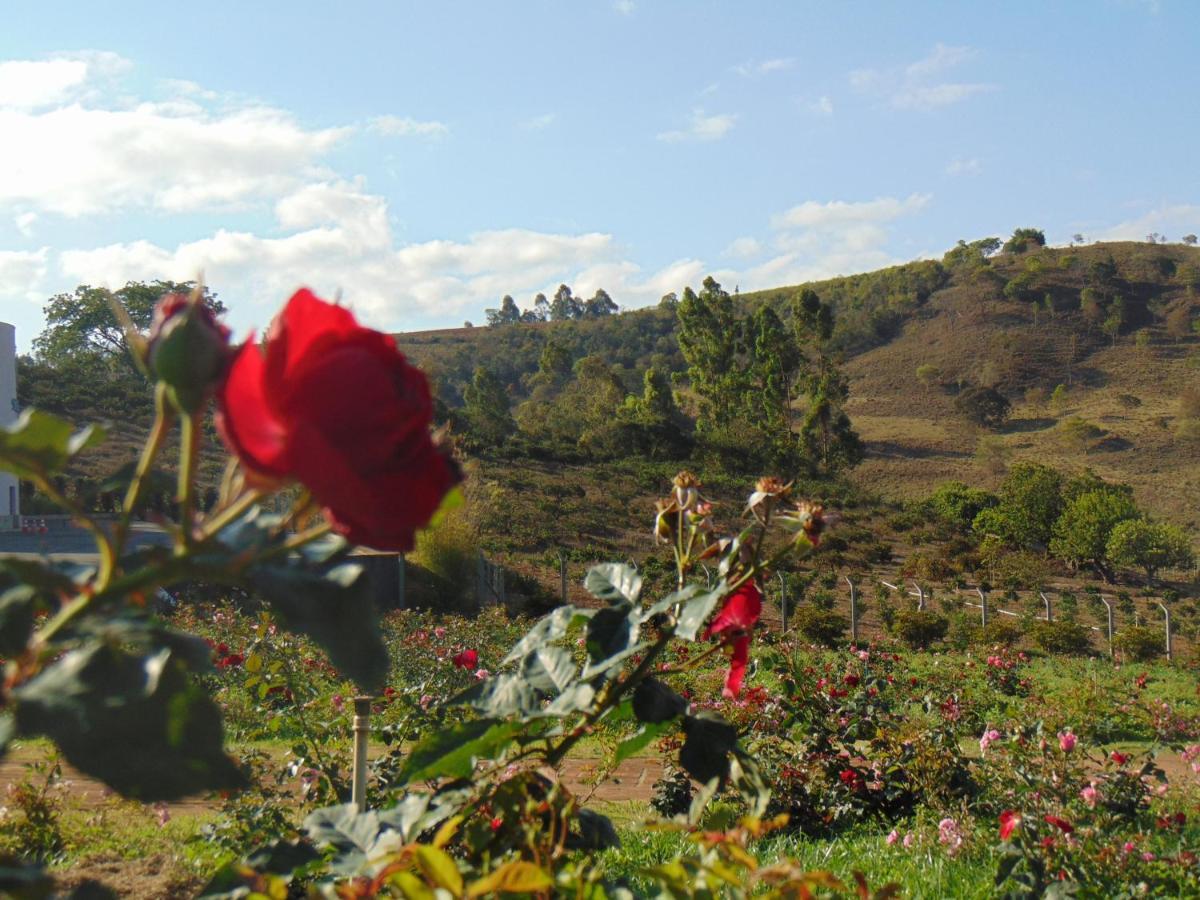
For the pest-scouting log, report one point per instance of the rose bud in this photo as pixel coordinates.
(187, 350)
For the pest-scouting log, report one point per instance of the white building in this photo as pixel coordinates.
(10, 500)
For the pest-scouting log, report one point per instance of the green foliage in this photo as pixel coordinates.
(1081, 534)
(820, 626)
(1062, 636)
(1030, 504)
(1024, 239)
(487, 409)
(983, 405)
(1149, 546)
(1139, 643)
(919, 628)
(956, 503)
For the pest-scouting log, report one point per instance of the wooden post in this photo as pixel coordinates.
(562, 577)
(1167, 615)
(1108, 606)
(982, 606)
(1046, 600)
(362, 729)
(783, 601)
(401, 577)
(853, 610)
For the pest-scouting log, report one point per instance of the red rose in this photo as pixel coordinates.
(337, 407)
(1061, 824)
(734, 622)
(468, 659)
(1010, 821)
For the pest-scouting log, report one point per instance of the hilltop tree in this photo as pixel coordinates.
(564, 306)
(1081, 533)
(654, 424)
(507, 314)
(1023, 239)
(599, 305)
(82, 325)
(1150, 546)
(1189, 239)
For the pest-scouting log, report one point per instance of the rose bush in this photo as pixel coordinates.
(337, 407)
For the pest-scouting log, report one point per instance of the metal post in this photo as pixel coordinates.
(1046, 600)
(783, 601)
(920, 596)
(853, 610)
(362, 728)
(1108, 606)
(562, 577)
(1167, 614)
(982, 606)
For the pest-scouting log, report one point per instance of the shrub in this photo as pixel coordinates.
(820, 626)
(959, 504)
(984, 406)
(919, 628)
(1065, 637)
(1139, 642)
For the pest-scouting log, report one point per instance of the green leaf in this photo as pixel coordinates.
(56, 579)
(438, 866)
(614, 582)
(685, 593)
(549, 669)
(39, 444)
(578, 696)
(705, 752)
(348, 832)
(335, 609)
(501, 696)
(137, 722)
(654, 702)
(547, 630)
(697, 610)
(17, 608)
(611, 631)
(640, 740)
(451, 753)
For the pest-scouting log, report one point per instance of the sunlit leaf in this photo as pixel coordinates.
(516, 877)
(451, 753)
(614, 582)
(39, 444)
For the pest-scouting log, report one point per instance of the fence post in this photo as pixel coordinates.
(783, 601)
(920, 596)
(1167, 614)
(982, 606)
(853, 610)
(1046, 600)
(1108, 606)
(362, 728)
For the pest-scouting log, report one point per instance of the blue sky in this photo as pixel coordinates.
(425, 159)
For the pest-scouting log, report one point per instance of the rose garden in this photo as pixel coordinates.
(658, 739)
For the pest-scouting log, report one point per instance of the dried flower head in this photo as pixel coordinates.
(687, 490)
(767, 492)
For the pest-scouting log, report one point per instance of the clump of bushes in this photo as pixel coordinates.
(1062, 636)
(1139, 643)
(919, 628)
(820, 626)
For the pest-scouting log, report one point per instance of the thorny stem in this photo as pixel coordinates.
(230, 513)
(163, 419)
(104, 544)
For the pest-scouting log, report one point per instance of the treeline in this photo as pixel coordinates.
(565, 307)
(756, 390)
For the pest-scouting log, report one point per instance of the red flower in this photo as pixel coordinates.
(337, 407)
(1119, 758)
(468, 659)
(735, 622)
(1061, 824)
(851, 680)
(1010, 821)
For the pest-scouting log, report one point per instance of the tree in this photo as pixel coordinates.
(958, 504)
(82, 324)
(599, 305)
(928, 374)
(1115, 320)
(1179, 321)
(1150, 546)
(1091, 307)
(507, 314)
(1189, 239)
(564, 306)
(1023, 238)
(984, 406)
(541, 306)
(708, 333)
(1030, 503)
(487, 408)
(1082, 531)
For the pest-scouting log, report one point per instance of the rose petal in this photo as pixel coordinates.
(246, 419)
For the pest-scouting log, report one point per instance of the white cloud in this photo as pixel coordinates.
(970, 166)
(763, 67)
(24, 222)
(812, 214)
(28, 84)
(402, 126)
(701, 127)
(822, 106)
(743, 248)
(918, 86)
(22, 273)
(1174, 221)
(624, 7)
(538, 123)
(75, 160)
